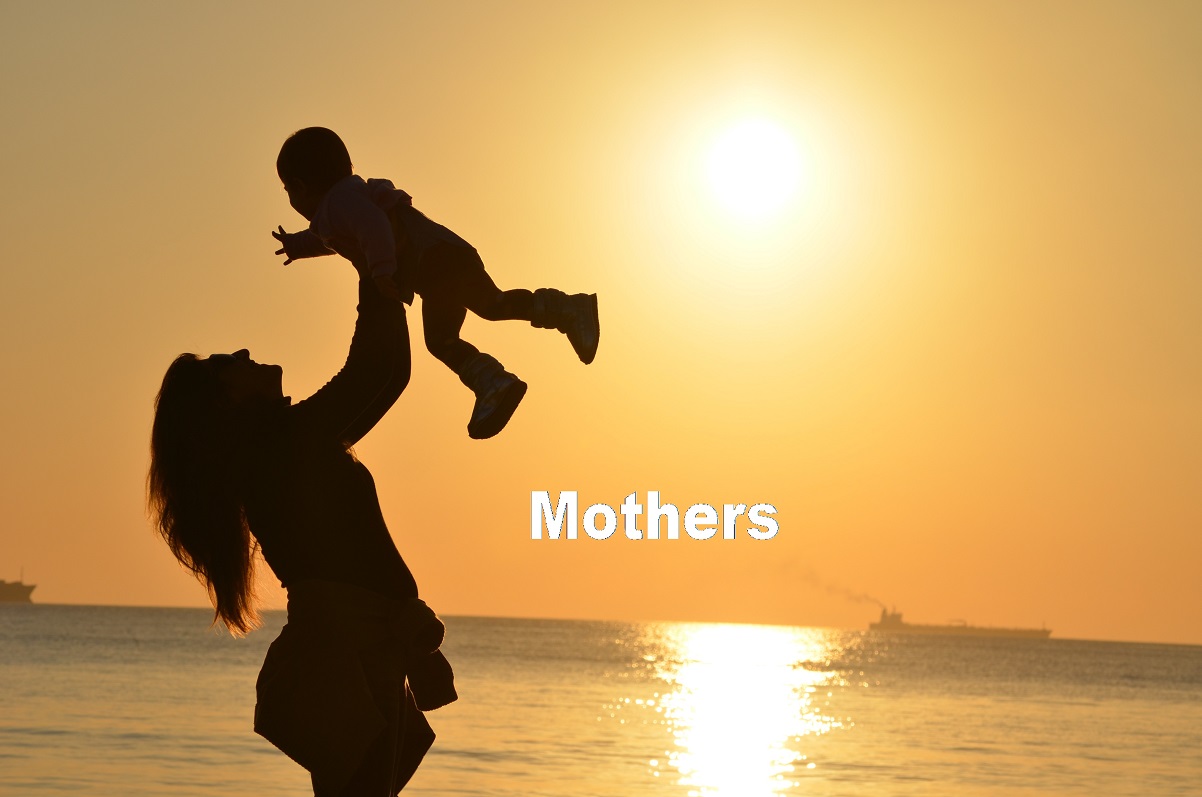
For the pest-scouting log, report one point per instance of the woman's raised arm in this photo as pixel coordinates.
(374, 375)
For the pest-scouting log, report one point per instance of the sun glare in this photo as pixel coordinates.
(754, 169)
(741, 708)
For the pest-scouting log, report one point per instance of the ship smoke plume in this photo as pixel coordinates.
(854, 597)
(810, 577)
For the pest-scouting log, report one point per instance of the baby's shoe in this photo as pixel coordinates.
(498, 394)
(575, 316)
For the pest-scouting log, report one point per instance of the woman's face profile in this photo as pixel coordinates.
(245, 380)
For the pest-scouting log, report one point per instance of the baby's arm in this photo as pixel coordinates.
(297, 245)
(360, 219)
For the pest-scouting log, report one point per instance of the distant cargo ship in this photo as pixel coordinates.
(893, 623)
(15, 591)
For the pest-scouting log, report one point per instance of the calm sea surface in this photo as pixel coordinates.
(125, 701)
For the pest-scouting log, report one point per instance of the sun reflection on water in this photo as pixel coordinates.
(740, 700)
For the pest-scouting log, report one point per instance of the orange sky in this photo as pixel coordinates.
(965, 364)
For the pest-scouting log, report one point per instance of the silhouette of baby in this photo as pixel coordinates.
(375, 226)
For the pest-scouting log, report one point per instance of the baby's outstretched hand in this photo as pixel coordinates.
(283, 237)
(388, 287)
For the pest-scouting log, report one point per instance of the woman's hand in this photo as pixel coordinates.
(387, 286)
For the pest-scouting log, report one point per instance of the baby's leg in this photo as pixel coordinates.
(478, 293)
(461, 279)
(498, 392)
(456, 275)
(575, 316)
(442, 321)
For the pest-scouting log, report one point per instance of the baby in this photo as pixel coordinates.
(375, 226)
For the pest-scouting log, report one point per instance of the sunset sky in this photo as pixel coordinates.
(954, 333)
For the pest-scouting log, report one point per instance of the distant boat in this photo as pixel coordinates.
(15, 591)
(892, 622)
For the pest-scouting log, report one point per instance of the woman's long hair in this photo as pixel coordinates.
(193, 488)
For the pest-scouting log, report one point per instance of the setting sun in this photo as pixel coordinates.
(754, 169)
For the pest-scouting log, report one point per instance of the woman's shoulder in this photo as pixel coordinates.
(284, 431)
(294, 436)
(284, 448)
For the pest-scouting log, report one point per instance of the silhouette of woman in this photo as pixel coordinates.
(235, 468)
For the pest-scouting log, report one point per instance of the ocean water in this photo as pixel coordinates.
(132, 701)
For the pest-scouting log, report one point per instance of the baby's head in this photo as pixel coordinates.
(309, 164)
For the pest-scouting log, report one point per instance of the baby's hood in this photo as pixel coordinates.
(386, 195)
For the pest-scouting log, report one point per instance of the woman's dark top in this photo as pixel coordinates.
(309, 502)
